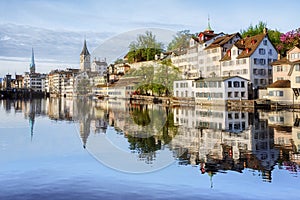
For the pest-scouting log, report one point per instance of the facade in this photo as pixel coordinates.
(250, 58)
(191, 60)
(209, 61)
(212, 90)
(293, 57)
(281, 92)
(61, 82)
(122, 89)
(99, 66)
(287, 70)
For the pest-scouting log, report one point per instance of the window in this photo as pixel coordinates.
(229, 84)
(262, 81)
(262, 51)
(297, 79)
(229, 116)
(176, 85)
(236, 115)
(262, 72)
(236, 94)
(219, 84)
(269, 61)
(279, 69)
(255, 81)
(255, 71)
(297, 67)
(229, 94)
(242, 84)
(280, 93)
(262, 61)
(277, 93)
(265, 42)
(236, 84)
(255, 60)
(243, 94)
(270, 52)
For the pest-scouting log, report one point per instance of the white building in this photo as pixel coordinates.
(99, 66)
(212, 90)
(210, 56)
(34, 82)
(250, 58)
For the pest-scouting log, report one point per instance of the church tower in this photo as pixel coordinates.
(85, 61)
(32, 64)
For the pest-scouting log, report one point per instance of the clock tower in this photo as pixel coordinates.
(85, 59)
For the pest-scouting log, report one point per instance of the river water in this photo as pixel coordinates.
(84, 149)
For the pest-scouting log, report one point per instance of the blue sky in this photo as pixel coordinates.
(124, 15)
(56, 28)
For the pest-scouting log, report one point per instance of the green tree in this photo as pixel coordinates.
(166, 74)
(144, 48)
(180, 40)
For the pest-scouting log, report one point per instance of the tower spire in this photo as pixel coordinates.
(208, 24)
(85, 51)
(32, 64)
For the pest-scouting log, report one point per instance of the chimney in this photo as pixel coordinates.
(278, 56)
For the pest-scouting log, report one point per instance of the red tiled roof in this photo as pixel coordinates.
(249, 45)
(219, 42)
(281, 84)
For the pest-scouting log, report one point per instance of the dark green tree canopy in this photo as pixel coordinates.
(144, 48)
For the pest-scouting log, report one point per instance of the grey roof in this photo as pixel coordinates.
(85, 51)
(223, 78)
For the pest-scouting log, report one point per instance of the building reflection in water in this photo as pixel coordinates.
(212, 138)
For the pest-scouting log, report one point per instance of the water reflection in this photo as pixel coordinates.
(211, 138)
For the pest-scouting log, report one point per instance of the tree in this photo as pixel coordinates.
(166, 74)
(180, 40)
(274, 35)
(144, 48)
(288, 40)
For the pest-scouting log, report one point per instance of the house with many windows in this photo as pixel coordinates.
(189, 59)
(209, 58)
(214, 90)
(286, 76)
(250, 58)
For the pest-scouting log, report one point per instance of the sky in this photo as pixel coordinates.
(99, 20)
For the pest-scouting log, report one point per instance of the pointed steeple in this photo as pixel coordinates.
(32, 64)
(85, 51)
(208, 25)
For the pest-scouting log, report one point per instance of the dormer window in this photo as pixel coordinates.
(253, 42)
(229, 53)
(247, 50)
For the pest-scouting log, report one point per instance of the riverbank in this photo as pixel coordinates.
(230, 104)
(20, 94)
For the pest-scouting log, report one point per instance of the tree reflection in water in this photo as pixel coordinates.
(215, 140)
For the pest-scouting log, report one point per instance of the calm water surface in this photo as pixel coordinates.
(82, 149)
